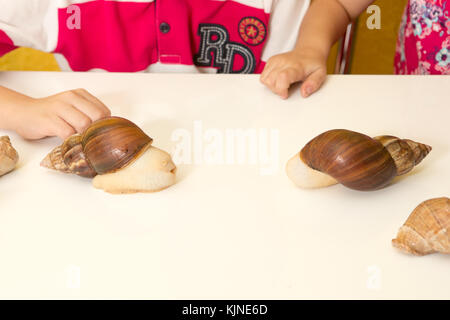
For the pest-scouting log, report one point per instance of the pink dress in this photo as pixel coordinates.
(423, 45)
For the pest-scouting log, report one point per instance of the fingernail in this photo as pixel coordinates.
(308, 91)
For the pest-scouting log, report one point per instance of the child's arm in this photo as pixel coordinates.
(59, 115)
(324, 23)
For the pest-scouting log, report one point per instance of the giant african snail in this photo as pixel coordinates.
(353, 159)
(118, 154)
(8, 156)
(427, 229)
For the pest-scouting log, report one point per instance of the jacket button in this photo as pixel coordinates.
(164, 27)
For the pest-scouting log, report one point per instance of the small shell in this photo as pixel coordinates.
(8, 156)
(427, 230)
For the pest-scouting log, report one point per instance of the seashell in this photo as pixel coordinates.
(427, 229)
(117, 154)
(8, 156)
(353, 159)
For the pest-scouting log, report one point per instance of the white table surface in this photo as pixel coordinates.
(226, 231)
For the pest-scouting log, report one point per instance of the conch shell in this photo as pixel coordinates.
(118, 155)
(8, 156)
(353, 159)
(427, 230)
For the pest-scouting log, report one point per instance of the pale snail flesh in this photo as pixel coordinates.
(353, 159)
(8, 156)
(427, 229)
(118, 155)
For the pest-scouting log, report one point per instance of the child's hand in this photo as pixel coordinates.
(283, 70)
(59, 115)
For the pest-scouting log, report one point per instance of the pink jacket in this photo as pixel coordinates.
(224, 36)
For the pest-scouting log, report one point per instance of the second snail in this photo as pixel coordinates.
(355, 160)
(118, 155)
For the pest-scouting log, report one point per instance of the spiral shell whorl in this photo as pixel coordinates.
(54, 160)
(420, 150)
(406, 153)
(69, 158)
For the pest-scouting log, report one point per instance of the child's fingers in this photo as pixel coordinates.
(271, 79)
(74, 117)
(271, 65)
(313, 82)
(284, 80)
(266, 72)
(275, 82)
(282, 84)
(92, 110)
(60, 128)
(88, 96)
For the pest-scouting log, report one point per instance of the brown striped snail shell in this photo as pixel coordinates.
(8, 156)
(353, 159)
(427, 229)
(118, 154)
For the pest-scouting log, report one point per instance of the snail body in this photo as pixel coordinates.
(8, 156)
(118, 155)
(353, 159)
(427, 229)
